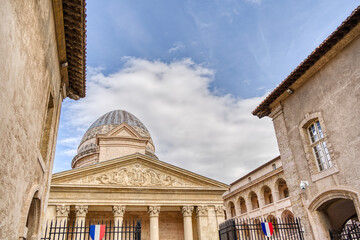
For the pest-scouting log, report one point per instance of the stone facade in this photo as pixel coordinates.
(171, 203)
(32, 85)
(262, 193)
(323, 98)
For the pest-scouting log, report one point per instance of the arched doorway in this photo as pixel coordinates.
(287, 215)
(336, 213)
(33, 219)
(273, 220)
(333, 210)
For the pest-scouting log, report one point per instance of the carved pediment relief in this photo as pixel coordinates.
(136, 175)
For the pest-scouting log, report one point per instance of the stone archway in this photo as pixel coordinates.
(33, 219)
(242, 205)
(332, 209)
(232, 209)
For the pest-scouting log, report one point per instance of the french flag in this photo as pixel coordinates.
(97, 232)
(267, 228)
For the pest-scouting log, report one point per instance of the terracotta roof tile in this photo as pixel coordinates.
(75, 38)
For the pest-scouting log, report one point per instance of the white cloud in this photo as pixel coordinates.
(70, 152)
(69, 141)
(192, 127)
(176, 47)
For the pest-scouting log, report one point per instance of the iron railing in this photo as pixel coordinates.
(64, 230)
(350, 231)
(251, 229)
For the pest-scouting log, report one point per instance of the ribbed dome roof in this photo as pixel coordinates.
(112, 119)
(118, 117)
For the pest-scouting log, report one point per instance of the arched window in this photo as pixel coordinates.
(232, 209)
(254, 200)
(283, 189)
(268, 198)
(242, 205)
(319, 145)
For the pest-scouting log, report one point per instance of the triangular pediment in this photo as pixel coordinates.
(123, 130)
(135, 171)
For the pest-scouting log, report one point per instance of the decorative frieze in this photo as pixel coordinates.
(220, 211)
(62, 210)
(119, 210)
(81, 210)
(154, 211)
(135, 175)
(202, 211)
(187, 211)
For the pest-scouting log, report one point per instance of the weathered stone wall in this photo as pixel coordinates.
(29, 73)
(332, 95)
(171, 226)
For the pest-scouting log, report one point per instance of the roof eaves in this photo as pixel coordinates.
(74, 14)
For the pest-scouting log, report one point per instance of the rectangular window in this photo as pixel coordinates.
(319, 146)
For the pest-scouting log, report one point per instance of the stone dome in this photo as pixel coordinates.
(104, 124)
(110, 120)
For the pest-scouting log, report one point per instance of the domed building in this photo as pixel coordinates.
(117, 176)
(117, 133)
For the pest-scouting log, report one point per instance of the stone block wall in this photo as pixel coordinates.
(29, 87)
(330, 94)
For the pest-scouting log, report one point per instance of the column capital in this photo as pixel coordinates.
(154, 211)
(62, 210)
(187, 211)
(202, 211)
(81, 210)
(219, 210)
(118, 210)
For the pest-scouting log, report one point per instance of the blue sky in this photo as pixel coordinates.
(220, 58)
(252, 45)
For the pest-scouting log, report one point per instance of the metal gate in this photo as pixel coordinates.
(251, 229)
(64, 230)
(350, 231)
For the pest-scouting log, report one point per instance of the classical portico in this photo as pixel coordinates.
(172, 203)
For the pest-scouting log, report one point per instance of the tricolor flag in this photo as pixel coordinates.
(267, 228)
(97, 232)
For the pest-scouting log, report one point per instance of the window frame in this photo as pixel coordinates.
(314, 170)
(317, 140)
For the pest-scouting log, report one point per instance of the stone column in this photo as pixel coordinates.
(62, 217)
(154, 222)
(201, 219)
(62, 213)
(187, 214)
(220, 214)
(118, 211)
(80, 215)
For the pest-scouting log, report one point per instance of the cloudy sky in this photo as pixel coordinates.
(192, 72)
